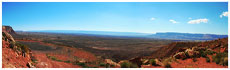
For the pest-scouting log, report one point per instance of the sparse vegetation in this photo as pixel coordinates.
(152, 62)
(102, 64)
(128, 65)
(207, 59)
(82, 64)
(187, 56)
(209, 52)
(55, 59)
(221, 58)
(68, 61)
(85, 41)
(167, 65)
(33, 59)
(22, 47)
(167, 62)
(107, 65)
(203, 54)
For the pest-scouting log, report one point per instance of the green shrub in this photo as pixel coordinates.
(59, 60)
(82, 64)
(102, 64)
(207, 59)
(53, 58)
(107, 65)
(187, 55)
(33, 59)
(152, 62)
(128, 65)
(220, 58)
(112, 65)
(209, 52)
(167, 65)
(22, 47)
(203, 54)
(12, 45)
(68, 61)
(225, 61)
(4, 35)
(125, 65)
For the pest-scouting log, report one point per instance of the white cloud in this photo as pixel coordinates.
(224, 14)
(198, 21)
(173, 21)
(189, 18)
(152, 18)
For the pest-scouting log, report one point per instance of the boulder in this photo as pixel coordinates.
(82, 61)
(109, 61)
(180, 55)
(122, 61)
(195, 48)
(30, 65)
(190, 52)
(158, 62)
(145, 61)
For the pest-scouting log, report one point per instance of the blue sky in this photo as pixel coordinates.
(143, 17)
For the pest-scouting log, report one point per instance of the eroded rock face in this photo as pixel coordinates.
(8, 29)
(30, 65)
(190, 52)
(158, 62)
(11, 56)
(109, 61)
(180, 55)
(7, 37)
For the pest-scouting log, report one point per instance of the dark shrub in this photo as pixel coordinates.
(112, 65)
(225, 61)
(152, 62)
(102, 64)
(82, 64)
(23, 48)
(187, 55)
(128, 65)
(33, 59)
(221, 58)
(209, 52)
(68, 61)
(168, 65)
(207, 59)
(203, 54)
(107, 65)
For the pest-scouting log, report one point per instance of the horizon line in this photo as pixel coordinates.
(124, 31)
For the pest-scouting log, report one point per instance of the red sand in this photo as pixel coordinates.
(11, 59)
(44, 62)
(200, 63)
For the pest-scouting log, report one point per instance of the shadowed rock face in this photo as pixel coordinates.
(8, 29)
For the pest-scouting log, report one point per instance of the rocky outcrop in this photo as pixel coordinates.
(13, 54)
(180, 55)
(109, 61)
(8, 29)
(208, 53)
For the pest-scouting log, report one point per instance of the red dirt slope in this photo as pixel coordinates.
(11, 56)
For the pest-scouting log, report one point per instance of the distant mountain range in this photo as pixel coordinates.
(94, 32)
(166, 35)
(187, 36)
